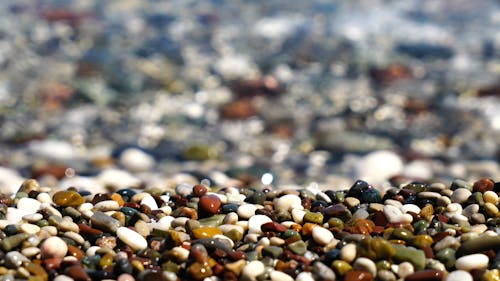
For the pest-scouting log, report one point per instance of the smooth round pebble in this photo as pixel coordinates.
(288, 202)
(460, 195)
(245, 211)
(348, 252)
(252, 270)
(255, 223)
(53, 247)
(280, 276)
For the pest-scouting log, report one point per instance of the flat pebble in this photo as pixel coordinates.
(348, 252)
(132, 238)
(304, 276)
(150, 202)
(460, 195)
(280, 276)
(246, 211)
(29, 228)
(29, 205)
(106, 205)
(471, 262)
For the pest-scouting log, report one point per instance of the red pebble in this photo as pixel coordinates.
(427, 275)
(354, 275)
(209, 204)
(199, 190)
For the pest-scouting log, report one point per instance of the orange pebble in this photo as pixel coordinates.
(118, 198)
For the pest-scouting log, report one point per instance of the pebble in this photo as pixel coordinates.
(30, 205)
(460, 195)
(288, 202)
(252, 270)
(280, 276)
(246, 211)
(364, 264)
(304, 276)
(53, 247)
(104, 222)
(348, 252)
(209, 204)
(255, 223)
(68, 198)
(321, 235)
(323, 272)
(131, 238)
(472, 262)
(14, 259)
(136, 160)
(459, 275)
(429, 275)
(150, 202)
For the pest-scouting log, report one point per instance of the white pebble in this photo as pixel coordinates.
(53, 247)
(255, 222)
(364, 264)
(321, 235)
(447, 242)
(410, 208)
(405, 269)
(474, 261)
(136, 160)
(164, 223)
(252, 270)
(30, 251)
(460, 195)
(288, 202)
(132, 238)
(184, 189)
(92, 250)
(304, 276)
(394, 215)
(298, 215)
(182, 254)
(29, 205)
(63, 278)
(280, 276)
(29, 228)
(15, 215)
(150, 202)
(44, 198)
(33, 217)
(348, 252)
(245, 211)
(459, 275)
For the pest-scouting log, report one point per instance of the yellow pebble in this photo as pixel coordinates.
(118, 198)
(491, 209)
(137, 265)
(491, 275)
(68, 198)
(490, 197)
(206, 232)
(341, 267)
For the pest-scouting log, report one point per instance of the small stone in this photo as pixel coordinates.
(364, 264)
(491, 209)
(472, 262)
(252, 270)
(490, 197)
(29, 228)
(352, 202)
(483, 185)
(102, 221)
(106, 205)
(29, 205)
(125, 277)
(404, 269)
(209, 204)
(324, 272)
(12, 242)
(236, 267)
(206, 232)
(341, 267)
(288, 202)
(414, 256)
(272, 251)
(460, 195)
(14, 259)
(255, 223)
(53, 247)
(321, 235)
(184, 189)
(459, 275)
(77, 273)
(298, 247)
(150, 202)
(136, 160)
(68, 198)
(280, 276)
(479, 244)
(132, 238)
(246, 211)
(394, 215)
(313, 217)
(426, 275)
(348, 252)
(355, 275)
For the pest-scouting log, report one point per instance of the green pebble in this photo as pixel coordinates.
(128, 211)
(341, 267)
(20, 195)
(214, 220)
(192, 205)
(458, 183)
(54, 220)
(375, 249)
(258, 197)
(313, 217)
(42, 223)
(476, 198)
(420, 226)
(289, 233)
(417, 187)
(383, 265)
(272, 251)
(402, 234)
(447, 257)
(282, 215)
(72, 212)
(336, 222)
(412, 255)
(12, 242)
(477, 245)
(234, 235)
(298, 247)
(339, 196)
(252, 256)
(307, 194)
(171, 266)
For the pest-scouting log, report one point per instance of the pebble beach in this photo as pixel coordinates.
(249, 140)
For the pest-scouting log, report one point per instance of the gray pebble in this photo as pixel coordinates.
(104, 222)
(14, 259)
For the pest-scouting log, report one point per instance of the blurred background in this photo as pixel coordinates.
(143, 93)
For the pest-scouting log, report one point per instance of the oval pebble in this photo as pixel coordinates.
(459, 275)
(365, 264)
(29, 205)
(132, 238)
(252, 270)
(288, 202)
(53, 247)
(255, 223)
(471, 262)
(280, 276)
(245, 211)
(321, 235)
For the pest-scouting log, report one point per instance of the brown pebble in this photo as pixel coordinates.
(483, 185)
(52, 263)
(75, 252)
(426, 275)
(85, 229)
(354, 275)
(77, 273)
(273, 227)
(209, 204)
(199, 190)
